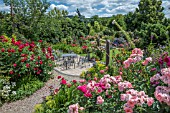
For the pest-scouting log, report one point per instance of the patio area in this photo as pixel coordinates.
(72, 64)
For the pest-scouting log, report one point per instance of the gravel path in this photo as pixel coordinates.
(27, 105)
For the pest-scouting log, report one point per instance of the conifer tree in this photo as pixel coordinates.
(149, 11)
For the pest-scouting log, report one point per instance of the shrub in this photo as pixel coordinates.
(18, 59)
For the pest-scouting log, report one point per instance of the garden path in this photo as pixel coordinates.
(27, 105)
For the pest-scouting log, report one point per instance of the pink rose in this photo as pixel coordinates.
(145, 62)
(73, 108)
(63, 81)
(128, 110)
(101, 71)
(14, 65)
(82, 80)
(100, 100)
(150, 101)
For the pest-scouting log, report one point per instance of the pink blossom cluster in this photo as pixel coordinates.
(165, 72)
(146, 61)
(98, 87)
(124, 85)
(133, 97)
(165, 75)
(162, 94)
(74, 108)
(156, 77)
(136, 56)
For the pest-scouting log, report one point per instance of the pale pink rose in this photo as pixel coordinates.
(113, 80)
(137, 59)
(73, 108)
(118, 78)
(165, 79)
(130, 60)
(165, 71)
(155, 77)
(107, 92)
(107, 86)
(149, 59)
(81, 108)
(145, 62)
(123, 97)
(141, 93)
(158, 96)
(82, 80)
(137, 51)
(126, 64)
(107, 76)
(150, 101)
(100, 100)
(91, 85)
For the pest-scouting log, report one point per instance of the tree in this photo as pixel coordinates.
(149, 11)
(26, 14)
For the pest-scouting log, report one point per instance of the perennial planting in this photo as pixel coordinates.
(134, 89)
(27, 64)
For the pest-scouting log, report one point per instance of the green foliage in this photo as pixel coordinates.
(12, 91)
(59, 102)
(26, 87)
(150, 11)
(155, 33)
(18, 59)
(67, 48)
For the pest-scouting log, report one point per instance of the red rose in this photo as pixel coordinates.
(59, 77)
(22, 55)
(12, 50)
(11, 72)
(9, 50)
(39, 57)
(55, 91)
(40, 41)
(63, 81)
(74, 81)
(20, 50)
(27, 65)
(2, 50)
(38, 73)
(41, 62)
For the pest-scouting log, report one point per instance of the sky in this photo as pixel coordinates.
(102, 8)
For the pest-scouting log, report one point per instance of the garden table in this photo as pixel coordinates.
(69, 56)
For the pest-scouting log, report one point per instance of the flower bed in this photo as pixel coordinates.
(132, 88)
(27, 64)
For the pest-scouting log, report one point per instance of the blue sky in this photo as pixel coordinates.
(103, 8)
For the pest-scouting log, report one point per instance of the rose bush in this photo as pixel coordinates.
(130, 89)
(20, 59)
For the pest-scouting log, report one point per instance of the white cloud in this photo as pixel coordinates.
(89, 8)
(4, 8)
(63, 7)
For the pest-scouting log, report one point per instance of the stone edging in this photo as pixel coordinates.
(65, 73)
